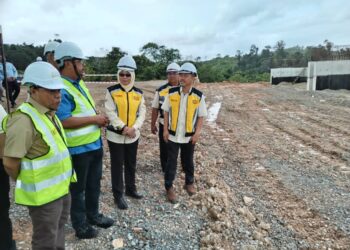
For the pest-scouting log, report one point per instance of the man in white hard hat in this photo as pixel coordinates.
(172, 72)
(37, 158)
(6, 241)
(184, 109)
(82, 124)
(49, 51)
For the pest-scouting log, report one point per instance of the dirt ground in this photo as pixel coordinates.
(272, 172)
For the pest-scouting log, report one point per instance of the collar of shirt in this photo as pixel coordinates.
(42, 109)
(181, 90)
(75, 82)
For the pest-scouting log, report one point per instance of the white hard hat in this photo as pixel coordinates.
(188, 68)
(173, 67)
(42, 74)
(127, 63)
(68, 50)
(38, 59)
(50, 47)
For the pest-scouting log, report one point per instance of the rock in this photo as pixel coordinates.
(118, 243)
(265, 226)
(258, 236)
(137, 229)
(247, 200)
(213, 213)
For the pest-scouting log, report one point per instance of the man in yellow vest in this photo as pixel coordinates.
(184, 109)
(83, 130)
(37, 157)
(172, 72)
(6, 242)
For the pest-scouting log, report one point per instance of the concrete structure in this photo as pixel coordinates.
(288, 75)
(328, 75)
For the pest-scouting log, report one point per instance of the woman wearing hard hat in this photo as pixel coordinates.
(125, 108)
(184, 109)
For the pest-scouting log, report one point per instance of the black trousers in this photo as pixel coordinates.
(123, 166)
(187, 150)
(86, 192)
(6, 241)
(164, 150)
(14, 89)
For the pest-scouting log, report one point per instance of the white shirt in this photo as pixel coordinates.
(116, 122)
(181, 122)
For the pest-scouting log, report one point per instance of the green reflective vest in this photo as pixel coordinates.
(83, 107)
(47, 177)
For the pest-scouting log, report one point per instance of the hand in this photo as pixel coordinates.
(131, 132)
(154, 129)
(101, 120)
(166, 135)
(195, 138)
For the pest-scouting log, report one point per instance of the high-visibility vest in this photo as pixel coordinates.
(45, 178)
(163, 91)
(127, 104)
(83, 107)
(193, 101)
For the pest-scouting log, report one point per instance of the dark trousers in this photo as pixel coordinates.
(164, 150)
(14, 89)
(86, 192)
(6, 241)
(123, 166)
(48, 223)
(188, 165)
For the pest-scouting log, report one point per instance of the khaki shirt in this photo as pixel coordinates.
(2, 135)
(22, 139)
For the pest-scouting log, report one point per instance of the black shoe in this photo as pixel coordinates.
(121, 203)
(86, 232)
(101, 221)
(134, 194)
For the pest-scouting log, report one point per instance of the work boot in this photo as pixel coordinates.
(133, 194)
(101, 221)
(190, 189)
(170, 193)
(86, 231)
(121, 203)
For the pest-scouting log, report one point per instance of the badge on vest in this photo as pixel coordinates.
(136, 98)
(195, 101)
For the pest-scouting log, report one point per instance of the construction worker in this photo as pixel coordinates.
(13, 84)
(184, 108)
(49, 51)
(82, 125)
(37, 158)
(172, 72)
(6, 241)
(126, 110)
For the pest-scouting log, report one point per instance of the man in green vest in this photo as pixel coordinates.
(37, 158)
(83, 130)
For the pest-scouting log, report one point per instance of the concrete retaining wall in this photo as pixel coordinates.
(288, 75)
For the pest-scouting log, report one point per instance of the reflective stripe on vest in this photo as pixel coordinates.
(84, 106)
(47, 177)
(193, 101)
(127, 104)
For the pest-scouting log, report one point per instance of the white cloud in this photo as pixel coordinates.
(197, 28)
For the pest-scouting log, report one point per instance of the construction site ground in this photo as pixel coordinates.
(272, 172)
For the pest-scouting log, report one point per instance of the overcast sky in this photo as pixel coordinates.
(197, 28)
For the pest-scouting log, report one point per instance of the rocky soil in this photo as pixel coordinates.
(272, 172)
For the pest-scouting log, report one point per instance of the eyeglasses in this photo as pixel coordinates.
(124, 75)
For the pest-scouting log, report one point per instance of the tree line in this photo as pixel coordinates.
(253, 65)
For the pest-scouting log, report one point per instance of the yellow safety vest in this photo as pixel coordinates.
(83, 107)
(193, 101)
(163, 91)
(127, 104)
(45, 178)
